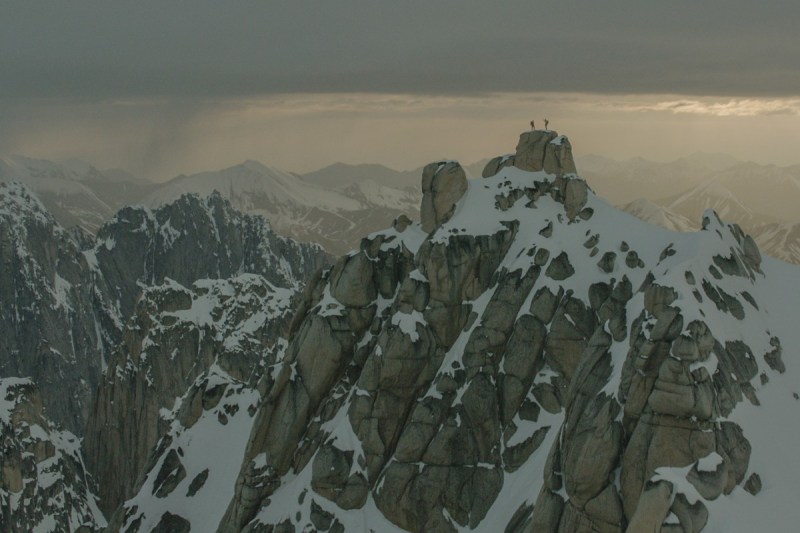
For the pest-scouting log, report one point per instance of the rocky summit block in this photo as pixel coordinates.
(544, 150)
(537, 150)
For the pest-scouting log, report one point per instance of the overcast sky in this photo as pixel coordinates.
(166, 87)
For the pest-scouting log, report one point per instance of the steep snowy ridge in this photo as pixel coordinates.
(44, 486)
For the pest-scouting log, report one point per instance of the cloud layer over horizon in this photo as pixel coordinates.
(161, 87)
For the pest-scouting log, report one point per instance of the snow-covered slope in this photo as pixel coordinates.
(611, 297)
(248, 185)
(777, 239)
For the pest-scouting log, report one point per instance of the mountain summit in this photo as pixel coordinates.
(527, 359)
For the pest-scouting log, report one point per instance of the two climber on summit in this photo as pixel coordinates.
(546, 123)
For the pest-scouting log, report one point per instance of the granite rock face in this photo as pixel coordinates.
(528, 359)
(544, 150)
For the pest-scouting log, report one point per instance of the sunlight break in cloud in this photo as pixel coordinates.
(748, 107)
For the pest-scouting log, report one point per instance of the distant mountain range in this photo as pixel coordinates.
(75, 192)
(336, 205)
(763, 199)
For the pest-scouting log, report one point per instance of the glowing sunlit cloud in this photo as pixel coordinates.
(748, 107)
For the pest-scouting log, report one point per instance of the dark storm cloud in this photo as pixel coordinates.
(98, 49)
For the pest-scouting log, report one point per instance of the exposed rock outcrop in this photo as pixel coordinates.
(532, 361)
(66, 297)
(43, 483)
(537, 150)
(443, 184)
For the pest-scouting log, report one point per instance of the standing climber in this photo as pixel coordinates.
(533, 126)
(546, 122)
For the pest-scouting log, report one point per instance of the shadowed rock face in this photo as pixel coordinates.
(174, 337)
(195, 238)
